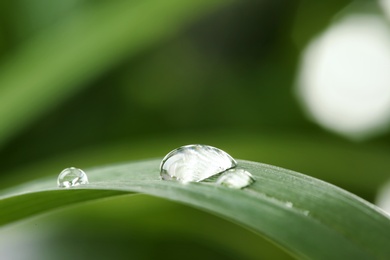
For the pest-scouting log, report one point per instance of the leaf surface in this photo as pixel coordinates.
(307, 217)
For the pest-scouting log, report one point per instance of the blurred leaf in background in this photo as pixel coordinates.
(85, 83)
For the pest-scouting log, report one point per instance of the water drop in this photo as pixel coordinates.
(71, 177)
(195, 163)
(236, 179)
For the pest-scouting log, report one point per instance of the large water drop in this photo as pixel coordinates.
(71, 177)
(194, 163)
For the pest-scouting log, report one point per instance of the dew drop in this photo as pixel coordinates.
(195, 163)
(235, 179)
(71, 177)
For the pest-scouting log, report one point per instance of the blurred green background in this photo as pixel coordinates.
(85, 83)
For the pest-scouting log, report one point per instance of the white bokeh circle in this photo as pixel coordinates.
(344, 79)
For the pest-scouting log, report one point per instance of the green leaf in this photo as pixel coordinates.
(306, 216)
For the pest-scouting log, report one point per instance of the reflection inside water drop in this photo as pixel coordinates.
(235, 178)
(195, 163)
(71, 177)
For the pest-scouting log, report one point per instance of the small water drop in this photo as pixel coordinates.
(195, 163)
(71, 177)
(289, 204)
(236, 179)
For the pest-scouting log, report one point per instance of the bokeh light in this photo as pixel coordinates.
(383, 197)
(344, 80)
(385, 5)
